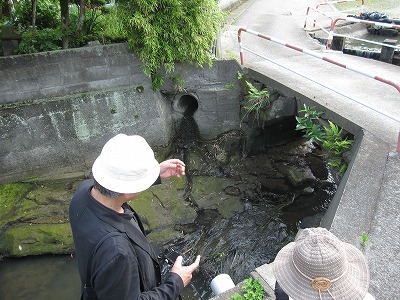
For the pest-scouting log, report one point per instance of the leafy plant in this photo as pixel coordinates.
(157, 81)
(330, 137)
(338, 163)
(113, 28)
(307, 123)
(255, 101)
(47, 14)
(93, 27)
(333, 140)
(165, 32)
(252, 290)
(40, 40)
(363, 240)
(178, 83)
(334, 143)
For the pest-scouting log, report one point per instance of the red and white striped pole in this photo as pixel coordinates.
(312, 53)
(398, 143)
(241, 45)
(351, 19)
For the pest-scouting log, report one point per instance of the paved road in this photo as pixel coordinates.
(369, 199)
(369, 103)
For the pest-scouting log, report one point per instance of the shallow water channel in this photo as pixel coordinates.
(277, 190)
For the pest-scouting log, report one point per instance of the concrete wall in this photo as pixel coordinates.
(57, 109)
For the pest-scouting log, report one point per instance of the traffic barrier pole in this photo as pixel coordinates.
(398, 143)
(355, 20)
(312, 53)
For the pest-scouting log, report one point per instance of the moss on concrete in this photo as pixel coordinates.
(37, 239)
(12, 198)
(164, 205)
(34, 218)
(162, 235)
(209, 193)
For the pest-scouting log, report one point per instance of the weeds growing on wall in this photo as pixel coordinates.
(363, 240)
(255, 101)
(178, 83)
(330, 138)
(309, 124)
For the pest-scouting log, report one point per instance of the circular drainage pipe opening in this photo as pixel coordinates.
(186, 104)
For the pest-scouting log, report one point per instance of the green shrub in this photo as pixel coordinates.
(308, 124)
(40, 40)
(165, 32)
(333, 140)
(47, 14)
(103, 25)
(330, 137)
(113, 29)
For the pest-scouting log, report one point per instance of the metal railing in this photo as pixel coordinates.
(334, 20)
(355, 20)
(334, 11)
(329, 3)
(319, 56)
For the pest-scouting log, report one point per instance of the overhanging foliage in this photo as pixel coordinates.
(162, 32)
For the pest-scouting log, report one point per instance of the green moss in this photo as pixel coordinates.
(34, 217)
(163, 205)
(11, 198)
(163, 235)
(37, 239)
(231, 86)
(13, 192)
(161, 153)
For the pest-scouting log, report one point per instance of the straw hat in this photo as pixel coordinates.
(126, 165)
(318, 266)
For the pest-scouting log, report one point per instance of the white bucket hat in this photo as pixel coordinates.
(318, 266)
(126, 165)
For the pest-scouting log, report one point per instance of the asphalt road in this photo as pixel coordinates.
(350, 91)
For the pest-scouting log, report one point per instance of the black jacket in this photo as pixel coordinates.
(123, 265)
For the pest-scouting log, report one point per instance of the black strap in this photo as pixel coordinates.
(87, 289)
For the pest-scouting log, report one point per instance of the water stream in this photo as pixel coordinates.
(269, 213)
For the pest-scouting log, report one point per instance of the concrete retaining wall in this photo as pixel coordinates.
(57, 109)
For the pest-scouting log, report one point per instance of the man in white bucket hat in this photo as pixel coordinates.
(318, 266)
(115, 260)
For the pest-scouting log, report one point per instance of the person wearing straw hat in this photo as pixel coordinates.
(318, 266)
(114, 257)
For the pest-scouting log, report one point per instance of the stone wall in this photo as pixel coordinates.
(57, 109)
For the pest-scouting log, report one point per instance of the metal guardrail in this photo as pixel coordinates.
(355, 20)
(312, 53)
(398, 143)
(334, 21)
(319, 56)
(329, 3)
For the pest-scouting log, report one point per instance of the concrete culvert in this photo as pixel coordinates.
(186, 104)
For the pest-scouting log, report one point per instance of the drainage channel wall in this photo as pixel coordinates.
(57, 109)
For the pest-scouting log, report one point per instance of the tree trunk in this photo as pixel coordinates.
(64, 21)
(6, 8)
(82, 8)
(34, 5)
